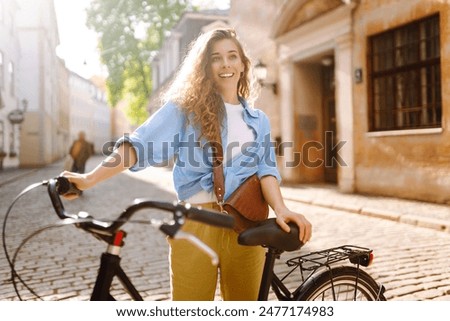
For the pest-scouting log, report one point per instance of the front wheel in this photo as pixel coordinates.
(345, 283)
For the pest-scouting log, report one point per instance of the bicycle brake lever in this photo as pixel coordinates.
(180, 235)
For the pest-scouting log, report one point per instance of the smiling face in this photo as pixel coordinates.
(226, 68)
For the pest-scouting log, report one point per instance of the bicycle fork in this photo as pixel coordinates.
(109, 268)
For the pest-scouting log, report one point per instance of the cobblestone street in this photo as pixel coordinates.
(411, 260)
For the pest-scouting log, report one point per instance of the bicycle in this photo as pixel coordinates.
(321, 278)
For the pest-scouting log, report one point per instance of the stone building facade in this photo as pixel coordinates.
(361, 99)
(43, 105)
(89, 111)
(411, 157)
(39, 77)
(11, 106)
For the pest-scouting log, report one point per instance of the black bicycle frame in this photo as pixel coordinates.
(269, 278)
(110, 268)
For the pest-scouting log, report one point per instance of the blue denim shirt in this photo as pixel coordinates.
(166, 135)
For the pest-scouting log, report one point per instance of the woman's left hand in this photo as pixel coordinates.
(285, 216)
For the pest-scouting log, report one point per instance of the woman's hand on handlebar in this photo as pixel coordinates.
(109, 167)
(81, 181)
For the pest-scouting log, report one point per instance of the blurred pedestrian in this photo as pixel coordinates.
(80, 151)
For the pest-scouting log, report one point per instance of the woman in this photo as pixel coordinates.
(208, 102)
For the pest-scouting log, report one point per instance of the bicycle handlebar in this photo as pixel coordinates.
(62, 186)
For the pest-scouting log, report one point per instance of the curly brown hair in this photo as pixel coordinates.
(194, 90)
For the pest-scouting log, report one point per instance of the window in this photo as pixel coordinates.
(1, 69)
(405, 77)
(11, 78)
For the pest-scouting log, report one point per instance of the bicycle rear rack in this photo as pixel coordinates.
(314, 260)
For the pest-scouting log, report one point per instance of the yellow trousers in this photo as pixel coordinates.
(194, 277)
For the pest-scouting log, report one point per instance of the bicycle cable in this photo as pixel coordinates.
(68, 221)
(5, 249)
(22, 244)
(11, 262)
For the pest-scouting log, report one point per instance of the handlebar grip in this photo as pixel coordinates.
(210, 217)
(53, 192)
(65, 187)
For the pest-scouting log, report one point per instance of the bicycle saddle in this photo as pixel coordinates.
(270, 234)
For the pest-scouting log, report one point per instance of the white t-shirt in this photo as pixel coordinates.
(238, 131)
(238, 134)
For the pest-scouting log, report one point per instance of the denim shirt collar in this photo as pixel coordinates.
(250, 111)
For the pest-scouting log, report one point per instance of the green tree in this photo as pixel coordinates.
(130, 31)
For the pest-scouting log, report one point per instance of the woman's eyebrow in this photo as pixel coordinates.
(230, 51)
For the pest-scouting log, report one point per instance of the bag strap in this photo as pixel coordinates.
(218, 178)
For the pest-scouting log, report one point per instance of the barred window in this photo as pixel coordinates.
(405, 77)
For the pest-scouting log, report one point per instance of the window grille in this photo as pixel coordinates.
(405, 77)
